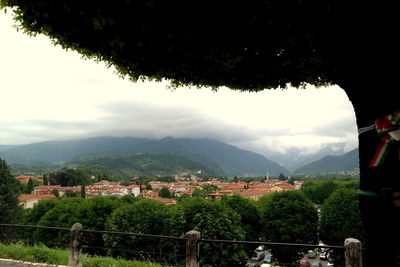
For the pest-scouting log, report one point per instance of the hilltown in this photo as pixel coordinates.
(253, 190)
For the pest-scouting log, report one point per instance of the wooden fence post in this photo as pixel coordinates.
(192, 248)
(353, 252)
(75, 245)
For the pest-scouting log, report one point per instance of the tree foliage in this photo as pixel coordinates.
(98, 171)
(45, 179)
(129, 199)
(9, 191)
(69, 177)
(204, 191)
(318, 191)
(64, 212)
(246, 45)
(250, 220)
(164, 192)
(32, 216)
(289, 217)
(281, 217)
(29, 186)
(144, 216)
(214, 221)
(340, 217)
(282, 177)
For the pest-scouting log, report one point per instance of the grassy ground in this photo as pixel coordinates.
(43, 254)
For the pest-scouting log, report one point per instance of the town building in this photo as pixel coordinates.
(27, 201)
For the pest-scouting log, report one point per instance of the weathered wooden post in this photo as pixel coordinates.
(75, 245)
(192, 248)
(353, 252)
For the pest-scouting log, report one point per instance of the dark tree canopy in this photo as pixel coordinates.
(340, 217)
(164, 192)
(69, 177)
(144, 216)
(9, 191)
(289, 217)
(250, 220)
(318, 191)
(206, 43)
(248, 45)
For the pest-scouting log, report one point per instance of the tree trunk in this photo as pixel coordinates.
(373, 98)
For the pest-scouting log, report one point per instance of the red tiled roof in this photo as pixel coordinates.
(260, 187)
(26, 197)
(226, 190)
(238, 186)
(274, 182)
(221, 193)
(132, 186)
(286, 186)
(26, 177)
(47, 187)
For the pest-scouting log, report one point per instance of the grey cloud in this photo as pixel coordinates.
(140, 119)
(130, 119)
(29, 131)
(337, 128)
(146, 120)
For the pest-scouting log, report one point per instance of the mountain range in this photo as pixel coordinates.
(221, 158)
(332, 164)
(209, 155)
(294, 158)
(124, 164)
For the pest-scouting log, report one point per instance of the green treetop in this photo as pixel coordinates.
(9, 191)
(289, 217)
(164, 192)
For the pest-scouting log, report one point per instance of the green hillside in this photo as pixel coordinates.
(223, 159)
(332, 164)
(139, 164)
(35, 168)
(57, 151)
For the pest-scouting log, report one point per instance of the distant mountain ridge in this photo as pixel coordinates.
(140, 164)
(332, 164)
(5, 147)
(226, 159)
(294, 158)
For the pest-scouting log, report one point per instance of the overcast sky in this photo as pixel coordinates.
(48, 93)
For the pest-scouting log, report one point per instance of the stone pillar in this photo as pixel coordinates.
(353, 252)
(75, 245)
(192, 248)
